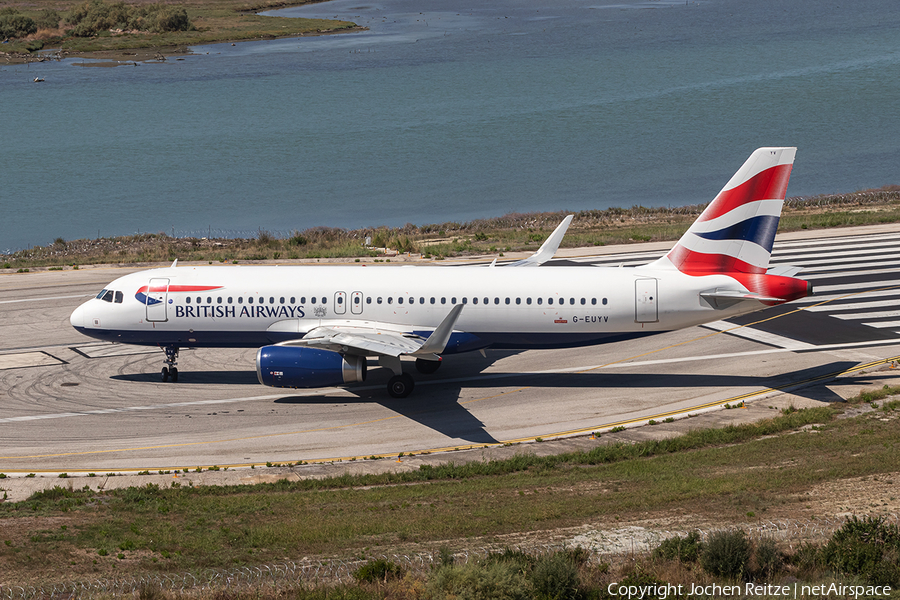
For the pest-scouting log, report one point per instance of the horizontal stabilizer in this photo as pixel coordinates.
(737, 295)
(784, 270)
(548, 248)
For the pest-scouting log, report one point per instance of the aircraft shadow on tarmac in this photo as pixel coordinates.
(435, 403)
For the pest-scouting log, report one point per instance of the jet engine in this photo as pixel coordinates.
(303, 367)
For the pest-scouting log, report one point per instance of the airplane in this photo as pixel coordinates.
(317, 326)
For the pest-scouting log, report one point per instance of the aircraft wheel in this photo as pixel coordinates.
(401, 386)
(173, 374)
(165, 374)
(427, 367)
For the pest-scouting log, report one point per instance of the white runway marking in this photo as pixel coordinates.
(759, 336)
(482, 377)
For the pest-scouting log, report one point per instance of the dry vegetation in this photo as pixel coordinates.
(512, 232)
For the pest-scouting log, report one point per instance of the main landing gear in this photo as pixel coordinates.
(402, 384)
(170, 371)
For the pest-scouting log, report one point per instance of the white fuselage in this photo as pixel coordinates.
(252, 306)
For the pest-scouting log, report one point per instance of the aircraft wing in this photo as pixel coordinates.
(547, 249)
(379, 339)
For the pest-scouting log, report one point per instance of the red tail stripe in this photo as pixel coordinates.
(179, 288)
(698, 263)
(767, 185)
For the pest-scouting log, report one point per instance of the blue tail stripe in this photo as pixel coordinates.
(759, 230)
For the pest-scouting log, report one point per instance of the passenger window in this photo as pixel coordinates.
(262, 299)
(571, 301)
(497, 300)
(368, 299)
(527, 300)
(583, 302)
(486, 301)
(250, 300)
(356, 300)
(422, 300)
(324, 300)
(453, 300)
(340, 300)
(219, 300)
(412, 300)
(119, 297)
(240, 299)
(229, 299)
(593, 301)
(281, 300)
(465, 300)
(209, 299)
(390, 300)
(302, 299)
(400, 300)
(293, 300)
(199, 300)
(432, 300)
(549, 301)
(188, 299)
(474, 300)
(443, 300)
(271, 300)
(540, 300)
(604, 301)
(507, 300)
(518, 301)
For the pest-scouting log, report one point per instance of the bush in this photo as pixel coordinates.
(494, 580)
(378, 569)
(867, 547)
(48, 19)
(555, 577)
(684, 549)
(14, 25)
(767, 558)
(726, 554)
(93, 16)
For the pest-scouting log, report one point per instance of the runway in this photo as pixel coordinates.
(71, 404)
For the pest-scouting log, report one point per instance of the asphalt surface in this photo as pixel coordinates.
(72, 404)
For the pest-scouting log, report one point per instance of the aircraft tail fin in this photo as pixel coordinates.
(736, 231)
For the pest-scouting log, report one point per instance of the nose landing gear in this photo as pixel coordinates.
(170, 371)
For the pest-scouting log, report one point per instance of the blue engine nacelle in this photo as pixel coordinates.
(302, 367)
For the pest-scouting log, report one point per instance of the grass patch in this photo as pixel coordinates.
(727, 472)
(513, 232)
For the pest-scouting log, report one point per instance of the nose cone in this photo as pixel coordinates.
(77, 318)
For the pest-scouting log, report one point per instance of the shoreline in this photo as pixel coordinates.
(497, 237)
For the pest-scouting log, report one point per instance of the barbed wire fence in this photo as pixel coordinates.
(601, 545)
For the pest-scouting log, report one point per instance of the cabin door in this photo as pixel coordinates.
(356, 303)
(645, 302)
(157, 299)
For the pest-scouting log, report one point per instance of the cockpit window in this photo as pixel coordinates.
(106, 295)
(101, 294)
(119, 297)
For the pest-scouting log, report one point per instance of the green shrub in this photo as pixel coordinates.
(378, 569)
(492, 580)
(48, 19)
(726, 554)
(93, 16)
(867, 547)
(767, 558)
(684, 549)
(14, 25)
(555, 577)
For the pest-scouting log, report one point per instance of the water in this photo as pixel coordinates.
(453, 112)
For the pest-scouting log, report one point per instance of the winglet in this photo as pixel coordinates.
(437, 341)
(175, 263)
(548, 248)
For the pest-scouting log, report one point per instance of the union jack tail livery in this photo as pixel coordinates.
(736, 231)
